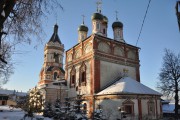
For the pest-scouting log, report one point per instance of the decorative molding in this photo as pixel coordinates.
(118, 51)
(104, 47)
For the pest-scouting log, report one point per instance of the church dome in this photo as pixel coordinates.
(105, 19)
(117, 24)
(55, 38)
(82, 27)
(97, 16)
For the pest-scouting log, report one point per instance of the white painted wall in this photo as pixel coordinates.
(116, 70)
(83, 89)
(144, 107)
(110, 108)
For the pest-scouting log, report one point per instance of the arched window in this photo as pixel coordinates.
(85, 107)
(82, 37)
(55, 75)
(104, 31)
(73, 78)
(82, 75)
(56, 57)
(118, 32)
(98, 26)
(128, 107)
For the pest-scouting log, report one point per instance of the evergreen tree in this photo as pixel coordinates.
(48, 112)
(35, 100)
(98, 114)
(79, 108)
(58, 113)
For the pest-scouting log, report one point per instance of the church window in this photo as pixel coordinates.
(73, 77)
(85, 107)
(128, 107)
(118, 33)
(82, 75)
(98, 26)
(56, 57)
(104, 31)
(55, 75)
(82, 37)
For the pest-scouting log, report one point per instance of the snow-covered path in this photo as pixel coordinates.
(15, 114)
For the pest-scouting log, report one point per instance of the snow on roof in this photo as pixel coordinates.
(168, 108)
(11, 92)
(128, 85)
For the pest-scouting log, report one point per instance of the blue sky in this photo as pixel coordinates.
(160, 31)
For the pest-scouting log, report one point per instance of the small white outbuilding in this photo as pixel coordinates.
(130, 98)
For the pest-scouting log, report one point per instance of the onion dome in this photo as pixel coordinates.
(117, 24)
(105, 19)
(97, 16)
(82, 27)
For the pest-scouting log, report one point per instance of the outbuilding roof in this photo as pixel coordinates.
(11, 92)
(127, 85)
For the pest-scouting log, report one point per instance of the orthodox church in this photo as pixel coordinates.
(105, 71)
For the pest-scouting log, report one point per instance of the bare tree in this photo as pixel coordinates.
(21, 19)
(6, 69)
(178, 13)
(170, 76)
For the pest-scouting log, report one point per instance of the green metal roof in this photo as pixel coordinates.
(117, 24)
(83, 28)
(105, 19)
(97, 16)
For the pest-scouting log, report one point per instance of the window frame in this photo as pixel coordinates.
(73, 78)
(82, 75)
(128, 103)
(55, 77)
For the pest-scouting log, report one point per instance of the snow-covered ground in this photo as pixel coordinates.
(15, 114)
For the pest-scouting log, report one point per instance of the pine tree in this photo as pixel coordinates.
(80, 112)
(58, 113)
(98, 113)
(48, 112)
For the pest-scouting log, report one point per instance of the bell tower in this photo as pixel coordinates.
(52, 69)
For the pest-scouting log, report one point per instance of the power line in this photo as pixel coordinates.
(143, 22)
